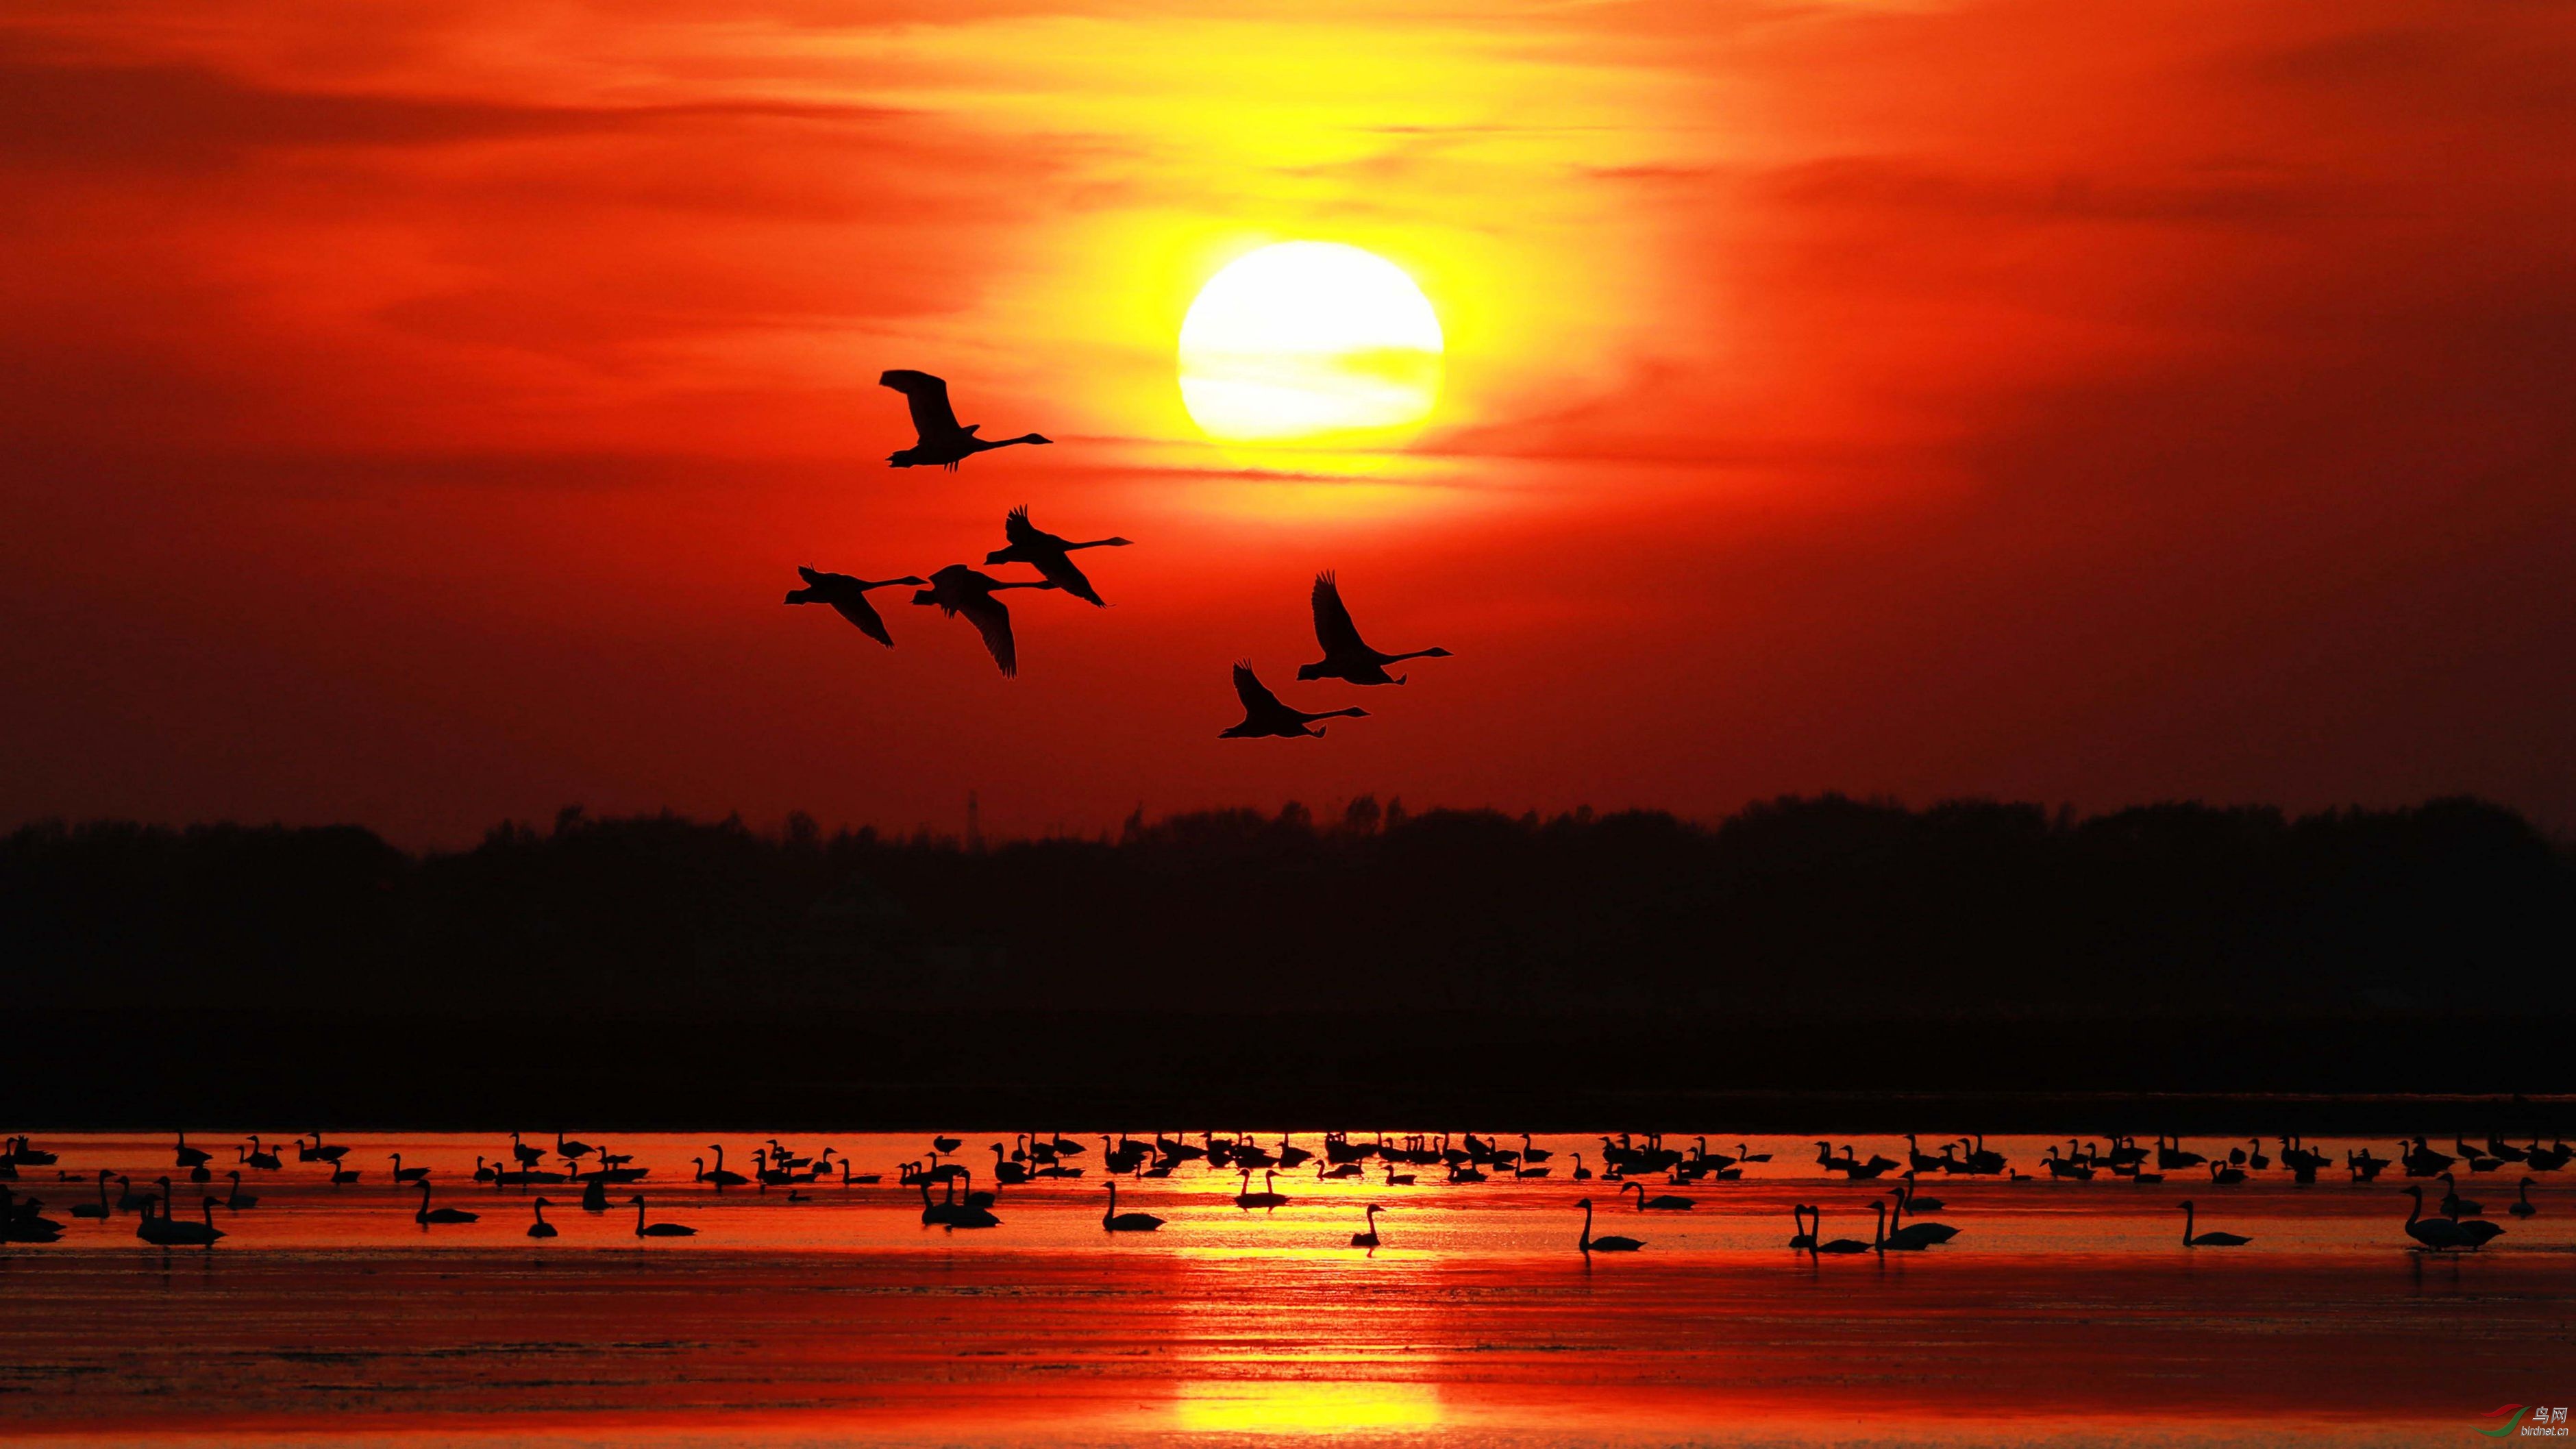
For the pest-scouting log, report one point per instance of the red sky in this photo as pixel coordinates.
(412, 414)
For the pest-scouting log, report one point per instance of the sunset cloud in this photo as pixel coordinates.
(415, 415)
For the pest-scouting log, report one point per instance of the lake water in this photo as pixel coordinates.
(2063, 1313)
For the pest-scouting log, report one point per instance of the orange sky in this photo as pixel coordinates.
(413, 413)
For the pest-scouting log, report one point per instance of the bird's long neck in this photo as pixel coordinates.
(1354, 712)
(639, 1216)
(1415, 654)
(1101, 543)
(2186, 1224)
(1585, 1242)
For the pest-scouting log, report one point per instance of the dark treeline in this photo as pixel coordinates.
(1825, 908)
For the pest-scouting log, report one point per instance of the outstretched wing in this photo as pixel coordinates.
(1022, 533)
(994, 622)
(1333, 627)
(1060, 570)
(931, 415)
(854, 606)
(1256, 697)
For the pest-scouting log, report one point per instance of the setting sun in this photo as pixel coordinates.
(1307, 339)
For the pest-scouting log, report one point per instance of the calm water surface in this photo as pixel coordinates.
(2064, 1312)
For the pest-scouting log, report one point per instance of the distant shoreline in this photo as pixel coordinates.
(1092, 1072)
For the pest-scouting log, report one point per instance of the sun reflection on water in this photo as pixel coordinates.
(1304, 1406)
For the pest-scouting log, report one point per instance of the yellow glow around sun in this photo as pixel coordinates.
(1307, 340)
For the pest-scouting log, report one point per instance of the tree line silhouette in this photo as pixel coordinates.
(1796, 909)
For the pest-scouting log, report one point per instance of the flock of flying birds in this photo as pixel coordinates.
(961, 590)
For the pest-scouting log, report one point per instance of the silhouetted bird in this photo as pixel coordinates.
(1264, 716)
(2191, 1239)
(1047, 553)
(938, 441)
(958, 589)
(1346, 655)
(644, 1229)
(848, 598)
(1112, 1220)
(1590, 1244)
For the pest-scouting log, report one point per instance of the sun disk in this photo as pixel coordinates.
(1306, 340)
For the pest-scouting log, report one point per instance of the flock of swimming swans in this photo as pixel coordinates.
(1631, 1163)
(962, 591)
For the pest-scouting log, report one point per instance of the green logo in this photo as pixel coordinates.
(2531, 1421)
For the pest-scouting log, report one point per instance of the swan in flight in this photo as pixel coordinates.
(937, 440)
(1346, 655)
(849, 598)
(1265, 717)
(1049, 555)
(958, 589)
